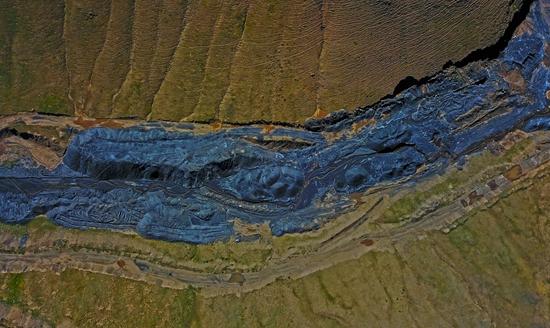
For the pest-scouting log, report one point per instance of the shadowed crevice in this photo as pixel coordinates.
(487, 53)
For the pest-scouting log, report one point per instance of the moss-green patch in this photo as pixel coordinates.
(136, 89)
(91, 300)
(10, 16)
(14, 288)
(52, 104)
(462, 237)
(184, 306)
(8, 28)
(241, 20)
(328, 296)
(23, 75)
(5, 77)
(41, 224)
(18, 230)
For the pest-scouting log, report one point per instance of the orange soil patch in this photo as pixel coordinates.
(216, 125)
(513, 173)
(367, 242)
(515, 80)
(268, 128)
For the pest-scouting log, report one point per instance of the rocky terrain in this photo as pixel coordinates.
(473, 243)
(232, 61)
(425, 209)
(169, 182)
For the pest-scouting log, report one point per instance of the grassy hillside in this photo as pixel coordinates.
(230, 60)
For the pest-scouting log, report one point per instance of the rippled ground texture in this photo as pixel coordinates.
(231, 60)
(183, 186)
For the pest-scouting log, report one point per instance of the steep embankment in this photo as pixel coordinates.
(235, 60)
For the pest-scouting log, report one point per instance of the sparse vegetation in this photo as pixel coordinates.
(14, 288)
(228, 61)
(52, 104)
(18, 230)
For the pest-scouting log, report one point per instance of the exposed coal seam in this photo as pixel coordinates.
(207, 121)
(52, 114)
(247, 123)
(8, 132)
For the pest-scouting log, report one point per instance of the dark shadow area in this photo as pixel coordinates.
(487, 53)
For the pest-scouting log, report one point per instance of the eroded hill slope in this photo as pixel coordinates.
(231, 60)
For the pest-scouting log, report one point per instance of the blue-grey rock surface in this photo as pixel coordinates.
(187, 186)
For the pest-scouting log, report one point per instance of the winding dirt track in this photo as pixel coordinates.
(346, 243)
